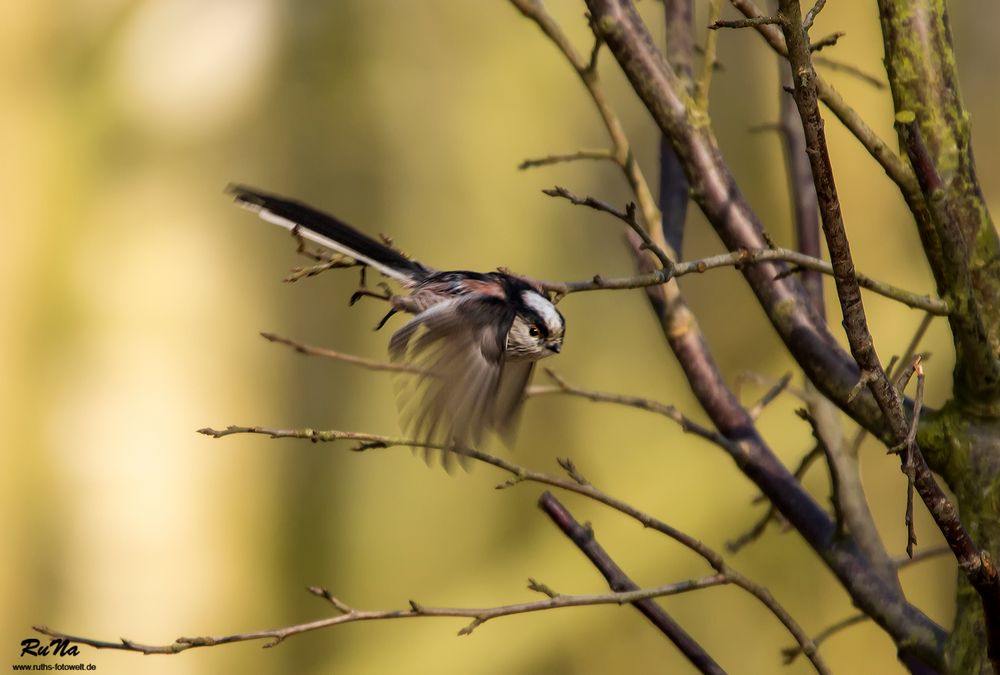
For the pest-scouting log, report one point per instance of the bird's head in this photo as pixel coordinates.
(537, 330)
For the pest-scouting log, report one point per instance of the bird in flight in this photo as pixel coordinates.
(473, 340)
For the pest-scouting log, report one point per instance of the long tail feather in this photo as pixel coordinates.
(330, 232)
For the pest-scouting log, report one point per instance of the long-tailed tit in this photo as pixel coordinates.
(474, 337)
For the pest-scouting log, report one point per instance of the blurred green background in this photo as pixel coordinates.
(133, 292)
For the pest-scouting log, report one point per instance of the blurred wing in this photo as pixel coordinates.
(510, 398)
(459, 344)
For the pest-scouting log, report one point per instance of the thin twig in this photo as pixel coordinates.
(705, 81)
(336, 261)
(668, 411)
(371, 364)
(791, 653)
(758, 379)
(627, 216)
(769, 396)
(585, 70)
(739, 258)
(757, 529)
(348, 614)
(751, 22)
(909, 447)
(571, 157)
(849, 69)
(828, 41)
(895, 374)
(811, 14)
(920, 556)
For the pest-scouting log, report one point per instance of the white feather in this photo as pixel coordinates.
(548, 312)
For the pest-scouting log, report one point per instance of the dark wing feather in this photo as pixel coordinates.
(459, 344)
(510, 398)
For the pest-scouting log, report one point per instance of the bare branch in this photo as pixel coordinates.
(336, 261)
(716, 192)
(347, 614)
(975, 563)
(680, 326)
(704, 83)
(585, 70)
(738, 259)
(849, 69)
(668, 411)
(673, 196)
(811, 14)
(893, 165)
(584, 539)
(311, 350)
(828, 41)
(741, 256)
(521, 474)
(769, 396)
(627, 216)
(908, 447)
(791, 653)
(752, 22)
(757, 530)
(571, 157)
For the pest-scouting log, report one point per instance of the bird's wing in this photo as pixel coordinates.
(510, 398)
(459, 345)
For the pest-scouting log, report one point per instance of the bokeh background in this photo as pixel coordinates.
(132, 294)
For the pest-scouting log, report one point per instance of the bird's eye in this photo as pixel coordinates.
(533, 331)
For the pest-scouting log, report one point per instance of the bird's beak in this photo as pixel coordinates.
(555, 347)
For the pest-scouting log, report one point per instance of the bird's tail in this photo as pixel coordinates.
(330, 232)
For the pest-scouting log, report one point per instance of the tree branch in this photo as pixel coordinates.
(849, 499)
(894, 167)
(668, 411)
(584, 539)
(370, 364)
(715, 190)
(973, 562)
(627, 216)
(742, 257)
(672, 199)
(573, 484)
(791, 653)
(549, 160)
(962, 246)
(348, 614)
